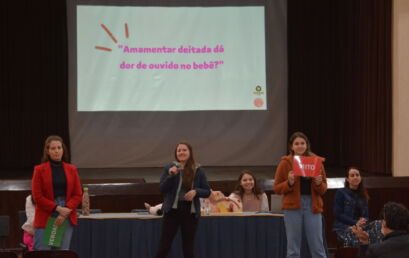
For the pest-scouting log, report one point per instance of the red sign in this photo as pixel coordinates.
(307, 166)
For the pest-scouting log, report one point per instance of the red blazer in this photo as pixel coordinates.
(42, 188)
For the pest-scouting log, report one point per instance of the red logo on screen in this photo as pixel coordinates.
(258, 102)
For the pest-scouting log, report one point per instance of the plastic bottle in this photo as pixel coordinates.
(85, 202)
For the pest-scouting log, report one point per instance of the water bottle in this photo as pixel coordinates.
(85, 202)
(207, 207)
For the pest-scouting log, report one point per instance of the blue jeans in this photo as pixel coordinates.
(299, 220)
(66, 239)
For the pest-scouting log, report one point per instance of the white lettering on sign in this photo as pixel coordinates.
(52, 235)
(308, 166)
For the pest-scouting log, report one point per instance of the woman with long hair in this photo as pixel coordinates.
(249, 193)
(56, 191)
(351, 211)
(182, 184)
(302, 200)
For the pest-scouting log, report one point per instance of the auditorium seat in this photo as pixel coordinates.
(51, 254)
(4, 226)
(22, 217)
(8, 254)
(275, 203)
(4, 230)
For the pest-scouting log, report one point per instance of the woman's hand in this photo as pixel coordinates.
(361, 222)
(60, 219)
(173, 170)
(216, 195)
(291, 178)
(190, 195)
(317, 180)
(362, 235)
(63, 211)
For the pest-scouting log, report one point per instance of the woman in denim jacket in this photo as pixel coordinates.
(351, 211)
(182, 184)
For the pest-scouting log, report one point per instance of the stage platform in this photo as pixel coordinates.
(124, 189)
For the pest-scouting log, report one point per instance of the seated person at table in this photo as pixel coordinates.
(249, 193)
(351, 209)
(395, 228)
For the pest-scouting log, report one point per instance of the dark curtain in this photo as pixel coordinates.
(339, 55)
(33, 79)
(340, 80)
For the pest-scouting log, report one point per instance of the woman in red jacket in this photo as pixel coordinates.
(56, 191)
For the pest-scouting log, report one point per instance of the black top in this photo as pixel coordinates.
(358, 208)
(394, 244)
(305, 185)
(59, 179)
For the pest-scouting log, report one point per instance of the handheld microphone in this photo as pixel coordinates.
(177, 164)
(178, 168)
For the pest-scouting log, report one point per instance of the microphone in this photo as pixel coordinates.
(178, 168)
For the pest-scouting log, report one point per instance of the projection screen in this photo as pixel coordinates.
(144, 76)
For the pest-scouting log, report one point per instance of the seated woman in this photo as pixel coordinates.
(249, 194)
(351, 211)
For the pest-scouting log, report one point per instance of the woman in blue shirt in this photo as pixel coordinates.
(351, 210)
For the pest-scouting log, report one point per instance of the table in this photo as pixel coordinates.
(131, 235)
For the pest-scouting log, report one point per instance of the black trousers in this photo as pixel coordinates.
(172, 220)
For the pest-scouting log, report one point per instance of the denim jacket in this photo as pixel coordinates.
(345, 202)
(169, 184)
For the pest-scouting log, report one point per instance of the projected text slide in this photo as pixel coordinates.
(170, 58)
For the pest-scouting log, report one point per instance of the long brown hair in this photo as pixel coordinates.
(363, 193)
(190, 166)
(302, 136)
(47, 142)
(239, 189)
